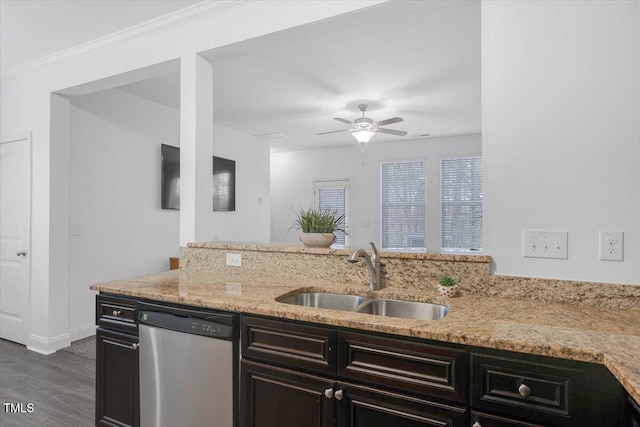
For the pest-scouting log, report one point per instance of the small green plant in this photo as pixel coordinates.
(447, 281)
(316, 221)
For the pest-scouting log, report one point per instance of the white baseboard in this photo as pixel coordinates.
(48, 346)
(82, 332)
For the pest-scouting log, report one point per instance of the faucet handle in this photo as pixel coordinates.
(374, 251)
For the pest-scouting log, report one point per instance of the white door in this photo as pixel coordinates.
(15, 218)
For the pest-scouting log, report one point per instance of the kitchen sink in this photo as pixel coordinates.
(341, 302)
(376, 306)
(403, 309)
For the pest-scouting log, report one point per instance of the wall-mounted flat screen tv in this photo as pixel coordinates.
(224, 184)
(170, 177)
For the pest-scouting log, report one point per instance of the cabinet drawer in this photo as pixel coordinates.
(540, 391)
(289, 344)
(117, 313)
(372, 406)
(479, 419)
(404, 365)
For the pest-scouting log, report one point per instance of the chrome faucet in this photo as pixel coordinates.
(372, 261)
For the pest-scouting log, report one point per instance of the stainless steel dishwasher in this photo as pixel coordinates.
(188, 367)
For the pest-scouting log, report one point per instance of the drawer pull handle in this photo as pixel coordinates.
(135, 345)
(328, 393)
(116, 313)
(524, 390)
(339, 394)
(477, 424)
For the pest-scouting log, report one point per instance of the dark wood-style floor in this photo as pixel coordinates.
(60, 386)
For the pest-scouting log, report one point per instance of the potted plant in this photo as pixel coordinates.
(317, 227)
(447, 286)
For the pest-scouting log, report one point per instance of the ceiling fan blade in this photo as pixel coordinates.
(333, 131)
(389, 121)
(392, 132)
(342, 120)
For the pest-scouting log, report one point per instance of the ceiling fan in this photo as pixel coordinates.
(363, 128)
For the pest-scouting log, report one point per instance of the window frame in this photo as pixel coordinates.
(444, 204)
(425, 246)
(335, 184)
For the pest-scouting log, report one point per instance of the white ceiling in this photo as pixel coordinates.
(419, 60)
(31, 29)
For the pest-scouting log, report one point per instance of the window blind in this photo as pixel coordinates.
(461, 189)
(403, 206)
(335, 200)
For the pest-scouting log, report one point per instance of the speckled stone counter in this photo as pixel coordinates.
(610, 336)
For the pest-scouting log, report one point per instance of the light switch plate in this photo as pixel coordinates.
(545, 244)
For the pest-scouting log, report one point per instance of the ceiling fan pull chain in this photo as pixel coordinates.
(362, 153)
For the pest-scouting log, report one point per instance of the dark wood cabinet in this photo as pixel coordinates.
(278, 397)
(296, 375)
(479, 419)
(383, 380)
(117, 363)
(364, 406)
(404, 365)
(513, 389)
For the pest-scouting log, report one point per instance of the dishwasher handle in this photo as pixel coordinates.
(181, 322)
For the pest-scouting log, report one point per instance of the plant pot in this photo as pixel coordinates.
(448, 291)
(317, 240)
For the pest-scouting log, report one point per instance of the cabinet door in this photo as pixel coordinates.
(278, 397)
(117, 383)
(361, 406)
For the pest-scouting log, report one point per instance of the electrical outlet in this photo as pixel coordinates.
(234, 260)
(544, 244)
(233, 288)
(75, 230)
(611, 246)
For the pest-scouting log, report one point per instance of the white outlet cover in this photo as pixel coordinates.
(611, 245)
(234, 260)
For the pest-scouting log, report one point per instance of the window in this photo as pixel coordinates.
(403, 206)
(461, 184)
(333, 196)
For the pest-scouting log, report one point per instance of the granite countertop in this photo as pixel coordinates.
(600, 335)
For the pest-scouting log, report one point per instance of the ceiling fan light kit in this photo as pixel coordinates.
(363, 136)
(363, 128)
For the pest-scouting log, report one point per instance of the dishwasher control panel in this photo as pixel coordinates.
(203, 327)
(214, 326)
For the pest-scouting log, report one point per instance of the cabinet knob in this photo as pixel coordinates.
(339, 394)
(477, 424)
(135, 345)
(524, 390)
(116, 313)
(328, 393)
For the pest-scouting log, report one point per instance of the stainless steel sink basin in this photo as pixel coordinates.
(403, 309)
(341, 302)
(375, 306)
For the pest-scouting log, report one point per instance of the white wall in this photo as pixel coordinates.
(250, 221)
(115, 195)
(293, 173)
(25, 105)
(561, 133)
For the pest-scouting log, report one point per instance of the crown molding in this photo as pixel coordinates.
(178, 18)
